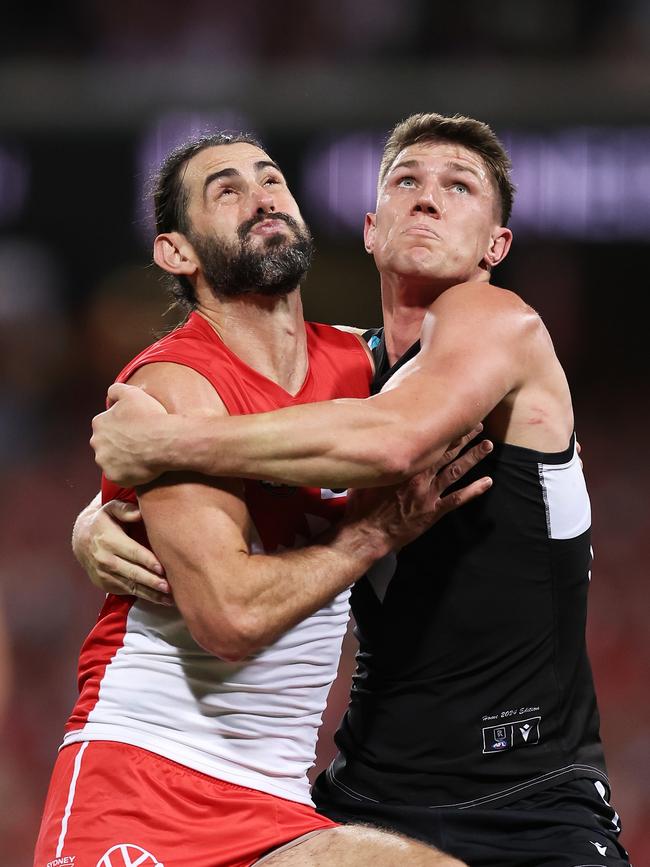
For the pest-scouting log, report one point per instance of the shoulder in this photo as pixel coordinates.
(483, 305)
(178, 343)
(485, 322)
(344, 338)
(341, 334)
(481, 294)
(179, 388)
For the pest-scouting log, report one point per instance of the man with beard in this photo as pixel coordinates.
(473, 721)
(196, 725)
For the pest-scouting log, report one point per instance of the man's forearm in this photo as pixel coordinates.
(335, 444)
(238, 603)
(282, 590)
(338, 444)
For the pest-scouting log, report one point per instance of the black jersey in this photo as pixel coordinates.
(473, 683)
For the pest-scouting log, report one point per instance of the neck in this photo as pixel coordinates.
(405, 302)
(267, 333)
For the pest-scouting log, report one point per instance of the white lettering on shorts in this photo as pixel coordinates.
(128, 855)
(66, 861)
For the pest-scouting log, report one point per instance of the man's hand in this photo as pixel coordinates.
(113, 561)
(127, 438)
(398, 514)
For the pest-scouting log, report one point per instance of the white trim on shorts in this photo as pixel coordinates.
(71, 792)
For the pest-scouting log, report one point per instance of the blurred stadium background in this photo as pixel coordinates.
(94, 93)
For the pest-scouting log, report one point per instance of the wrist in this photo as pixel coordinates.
(363, 541)
(175, 447)
(191, 444)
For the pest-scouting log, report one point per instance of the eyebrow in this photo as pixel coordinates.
(232, 173)
(406, 164)
(416, 164)
(461, 167)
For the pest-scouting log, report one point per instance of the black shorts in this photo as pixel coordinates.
(569, 825)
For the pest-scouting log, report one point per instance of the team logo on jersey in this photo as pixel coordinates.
(602, 850)
(516, 734)
(499, 739)
(525, 731)
(65, 861)
(128, 855)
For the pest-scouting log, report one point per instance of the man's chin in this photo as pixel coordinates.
(418, 262)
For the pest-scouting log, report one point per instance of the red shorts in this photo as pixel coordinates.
(114, 805)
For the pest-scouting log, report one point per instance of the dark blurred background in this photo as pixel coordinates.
(93, 94)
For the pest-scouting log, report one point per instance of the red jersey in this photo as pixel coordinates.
(145, 682)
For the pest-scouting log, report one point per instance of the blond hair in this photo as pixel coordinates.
(472, 134)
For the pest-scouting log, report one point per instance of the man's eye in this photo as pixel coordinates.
(271, 181)
(406, 182)
(460, 187)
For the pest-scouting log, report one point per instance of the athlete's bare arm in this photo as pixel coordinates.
(485, 355)
(118, 564)
(234, 601)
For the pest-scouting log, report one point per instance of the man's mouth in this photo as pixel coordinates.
(422, 230)
(268, 227)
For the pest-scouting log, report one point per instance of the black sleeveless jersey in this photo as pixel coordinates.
(473, 683)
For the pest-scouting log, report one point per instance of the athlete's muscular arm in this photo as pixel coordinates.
(235, 602)
(476, 348)
(477, 343)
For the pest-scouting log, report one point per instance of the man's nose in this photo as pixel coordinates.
(428, 203)
(264, 201)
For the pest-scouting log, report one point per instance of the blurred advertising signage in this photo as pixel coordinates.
(14, 183)
(580, 183)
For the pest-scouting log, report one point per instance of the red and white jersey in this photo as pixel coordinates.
(144, 681)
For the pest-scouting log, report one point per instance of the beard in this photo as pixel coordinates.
(235, 269)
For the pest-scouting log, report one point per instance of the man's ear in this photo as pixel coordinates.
(369, 228)
(500, 242)
(173, 253)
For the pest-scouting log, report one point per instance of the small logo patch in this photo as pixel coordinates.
(525, 731)
(497, 738)
(515, 734)
(602, 850)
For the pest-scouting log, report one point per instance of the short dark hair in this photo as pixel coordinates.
(170, 198)
(466, 131)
